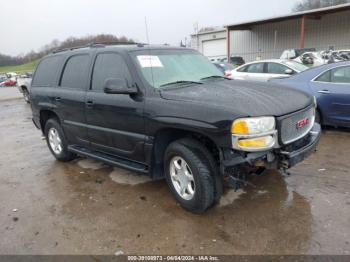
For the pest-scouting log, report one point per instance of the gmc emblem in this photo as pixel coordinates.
(303, 122)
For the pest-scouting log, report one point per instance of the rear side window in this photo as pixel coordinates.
(75, 72)
(46, 72)
(274, 68)
(341, 75)
(255, 68)
(325, 77)
(108, 65)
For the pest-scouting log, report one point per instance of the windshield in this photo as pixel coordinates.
(162, 68)
(295, 65)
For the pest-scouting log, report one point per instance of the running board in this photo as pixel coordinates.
(109, 159)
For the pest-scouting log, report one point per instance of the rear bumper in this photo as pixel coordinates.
(291, 156)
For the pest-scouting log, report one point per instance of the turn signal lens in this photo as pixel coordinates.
(256, 143)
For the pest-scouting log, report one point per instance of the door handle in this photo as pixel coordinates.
(89, 103)
(57, 98)
(324, 92)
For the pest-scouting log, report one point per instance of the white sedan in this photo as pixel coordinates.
(263, 70)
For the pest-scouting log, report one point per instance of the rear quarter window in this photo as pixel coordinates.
(243, 69)
(46, 72)
(325, 77)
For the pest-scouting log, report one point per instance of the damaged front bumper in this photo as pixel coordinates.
(293, 154)
(278, 158)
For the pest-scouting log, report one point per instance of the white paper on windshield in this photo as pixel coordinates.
(149, 61)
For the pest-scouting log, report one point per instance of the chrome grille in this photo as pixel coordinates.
(289, 130)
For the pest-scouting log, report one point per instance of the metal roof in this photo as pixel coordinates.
(216, 30)
(314, 13)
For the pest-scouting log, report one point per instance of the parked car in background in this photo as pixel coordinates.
(311, 59)
(263, 70)
(218, 59)
(225, 68)
(237, 60)
(296, 52)
(3, 78)
(12, 75)
(10, 82)
(330, 84)
(345, 54)
(23, 84)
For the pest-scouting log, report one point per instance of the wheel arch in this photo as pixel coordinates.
(45, 115)
(320, 113)
(166, 136)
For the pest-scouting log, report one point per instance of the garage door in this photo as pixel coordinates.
(214, 48)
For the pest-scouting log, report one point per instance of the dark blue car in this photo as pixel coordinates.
(330, 84)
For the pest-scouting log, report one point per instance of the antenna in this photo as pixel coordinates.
(147, 35)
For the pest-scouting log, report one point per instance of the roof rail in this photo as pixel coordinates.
(69, 48)
(98, 44)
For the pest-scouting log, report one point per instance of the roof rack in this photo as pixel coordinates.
(98, 44)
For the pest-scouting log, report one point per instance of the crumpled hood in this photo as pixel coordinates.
(247, 97)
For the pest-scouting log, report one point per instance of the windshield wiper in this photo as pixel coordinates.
(181, 82)
(215, 76)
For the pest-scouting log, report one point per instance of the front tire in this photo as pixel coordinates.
(318, 117)
(26, 95)
(189, 177)
(56, 141)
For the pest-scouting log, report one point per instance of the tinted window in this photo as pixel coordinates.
(274, 68)
(75, 72)
(108, 65)
(45, 74)
(340, 75)
(243, 69)
(295, 65)
(325, 77)
(256, 68)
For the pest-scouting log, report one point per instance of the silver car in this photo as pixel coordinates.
(264, 70)
(24, 83)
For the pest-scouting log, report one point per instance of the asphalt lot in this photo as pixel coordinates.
(8, 93)
(86, 207)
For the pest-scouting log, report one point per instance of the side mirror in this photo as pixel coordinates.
(118, 86)
(288, 71)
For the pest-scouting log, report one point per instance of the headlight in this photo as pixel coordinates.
(254, 133)
(253, 125)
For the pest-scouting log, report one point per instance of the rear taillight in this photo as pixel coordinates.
(228, 73)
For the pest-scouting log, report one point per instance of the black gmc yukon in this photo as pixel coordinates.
(168, 112)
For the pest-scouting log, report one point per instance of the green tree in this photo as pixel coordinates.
(304, 5)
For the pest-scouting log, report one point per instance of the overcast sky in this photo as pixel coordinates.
(28, 25)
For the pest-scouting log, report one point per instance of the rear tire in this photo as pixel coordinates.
(56, 141)
(188, 170)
